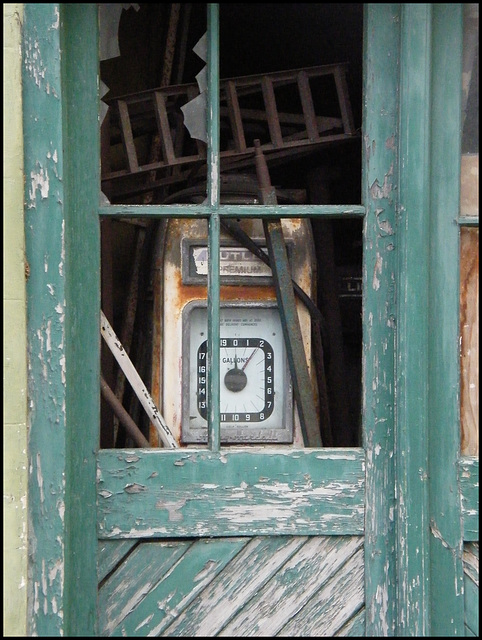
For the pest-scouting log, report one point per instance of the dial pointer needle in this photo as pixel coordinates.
(246, 363)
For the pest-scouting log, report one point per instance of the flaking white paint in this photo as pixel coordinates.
(40, 480)
(48, 333)
(377, 270)
(146, 620)
(62, 250)
(40, 182)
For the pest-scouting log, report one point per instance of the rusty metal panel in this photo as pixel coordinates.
(180, 289)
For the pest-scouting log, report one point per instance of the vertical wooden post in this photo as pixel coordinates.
(381, 58)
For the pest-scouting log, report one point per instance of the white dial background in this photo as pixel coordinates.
(246, 413)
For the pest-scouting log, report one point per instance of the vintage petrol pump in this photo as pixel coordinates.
(256, 395)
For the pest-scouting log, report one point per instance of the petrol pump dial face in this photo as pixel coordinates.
(255, 392)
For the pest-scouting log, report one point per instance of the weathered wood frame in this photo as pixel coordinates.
(411, 186)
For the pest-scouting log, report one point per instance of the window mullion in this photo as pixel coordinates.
(213, 196)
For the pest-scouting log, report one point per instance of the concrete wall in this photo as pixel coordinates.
(14, 336)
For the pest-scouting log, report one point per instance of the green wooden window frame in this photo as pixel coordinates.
(410, 181)
(209, 506)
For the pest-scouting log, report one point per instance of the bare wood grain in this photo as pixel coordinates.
(469, 338)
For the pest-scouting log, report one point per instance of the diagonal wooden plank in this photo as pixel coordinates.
(134, 579)
(471, 560)
(333, 604)
(110, 553)
(235, 586)
(354, 628)
(291, 588)
(471, 603)
(179, 586)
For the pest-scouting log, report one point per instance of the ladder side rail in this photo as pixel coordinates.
(271, 112)
(127, 137)
(308, 106)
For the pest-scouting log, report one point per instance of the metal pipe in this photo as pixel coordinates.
(124, 418)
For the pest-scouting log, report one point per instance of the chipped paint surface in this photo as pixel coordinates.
(257, 490)
(47, 365)
(39, 182)
(273, 484)
(381, 195)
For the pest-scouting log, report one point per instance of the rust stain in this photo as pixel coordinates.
(184, 294)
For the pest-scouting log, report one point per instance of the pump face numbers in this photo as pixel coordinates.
(247, 379)
(255, 390)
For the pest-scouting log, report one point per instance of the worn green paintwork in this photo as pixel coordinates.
(471, 601)
(232, 211)
(380, 193)
(82, 321)
(147, 493)
(61, 131)
(46, 335)
(135, 578)
(110, 554)
(445, 556)
(191, 563)
(413, 570)
(237, 587)
(61, 238)
(471, 589)
(468, 481)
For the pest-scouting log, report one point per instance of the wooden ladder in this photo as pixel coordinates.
(289, 112)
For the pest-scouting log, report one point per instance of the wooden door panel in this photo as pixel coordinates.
(471, 588)
(260, 586)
